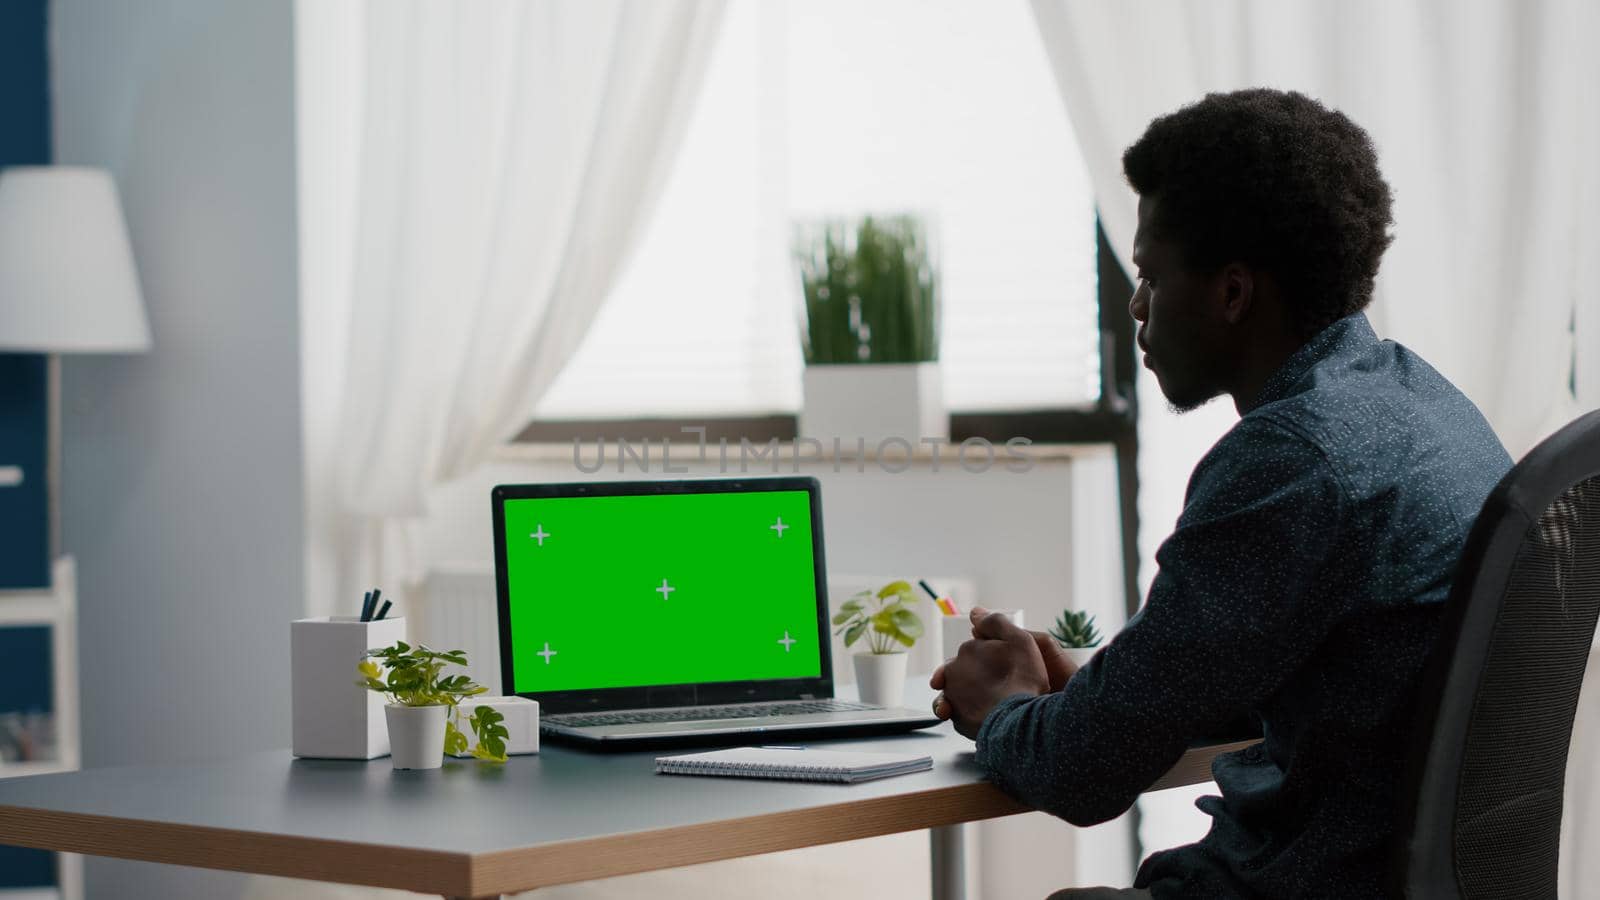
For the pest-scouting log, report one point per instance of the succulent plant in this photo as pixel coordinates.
(1075, 629)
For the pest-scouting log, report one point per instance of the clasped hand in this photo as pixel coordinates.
(999, 661)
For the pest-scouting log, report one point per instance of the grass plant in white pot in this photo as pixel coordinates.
(1075, 632)
(423, 712)
(891, 627)
(871, 337)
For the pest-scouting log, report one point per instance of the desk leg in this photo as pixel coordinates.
(947, 854)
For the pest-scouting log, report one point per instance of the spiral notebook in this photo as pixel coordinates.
(794, 764)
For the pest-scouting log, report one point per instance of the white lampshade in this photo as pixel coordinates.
(67, 281)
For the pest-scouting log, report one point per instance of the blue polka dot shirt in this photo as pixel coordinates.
(1301, 588)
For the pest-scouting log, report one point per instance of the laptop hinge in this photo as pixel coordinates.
(679, 695)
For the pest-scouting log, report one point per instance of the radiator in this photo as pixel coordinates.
(455, 610)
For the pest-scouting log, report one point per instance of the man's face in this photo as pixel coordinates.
(1184, 343)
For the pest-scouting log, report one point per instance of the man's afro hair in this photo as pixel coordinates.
(1277, 181)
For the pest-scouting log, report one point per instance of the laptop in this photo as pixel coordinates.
(658, 613)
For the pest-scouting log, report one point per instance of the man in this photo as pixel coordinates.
(1303, 584)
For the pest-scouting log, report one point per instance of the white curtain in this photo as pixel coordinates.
(1487, 123)
(474, 176)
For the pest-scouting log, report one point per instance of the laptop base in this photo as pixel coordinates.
(735, 733)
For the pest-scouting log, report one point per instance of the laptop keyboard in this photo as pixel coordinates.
(698, 713)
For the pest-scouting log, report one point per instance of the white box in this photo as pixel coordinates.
(522, 723)
(334, 716)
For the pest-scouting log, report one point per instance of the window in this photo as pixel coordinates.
(827, 108)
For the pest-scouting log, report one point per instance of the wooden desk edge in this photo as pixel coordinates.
(1195, 765)
(507, 871)
(347, 862)
(510, 871)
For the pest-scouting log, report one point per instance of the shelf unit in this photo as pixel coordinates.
(57, 609)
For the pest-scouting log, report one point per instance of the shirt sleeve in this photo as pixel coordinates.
(1228, 618)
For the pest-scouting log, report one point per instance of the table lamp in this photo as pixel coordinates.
(67, 283)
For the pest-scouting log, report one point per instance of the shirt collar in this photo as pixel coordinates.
(1343, 338)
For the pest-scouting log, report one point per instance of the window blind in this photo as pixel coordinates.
(831, 108)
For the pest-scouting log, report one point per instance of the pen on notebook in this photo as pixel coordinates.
(945, 604)
(382, 612)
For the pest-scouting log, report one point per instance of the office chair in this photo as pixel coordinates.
(1482, 796)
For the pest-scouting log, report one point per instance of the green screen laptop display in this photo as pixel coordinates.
(662, 589)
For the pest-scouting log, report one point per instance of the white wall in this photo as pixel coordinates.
(182, 466)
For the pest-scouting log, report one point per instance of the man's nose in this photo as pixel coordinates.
(1137, 306)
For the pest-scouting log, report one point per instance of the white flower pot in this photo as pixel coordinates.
(881, 678)
(416, 735)
(1080, 656)
(873, 402)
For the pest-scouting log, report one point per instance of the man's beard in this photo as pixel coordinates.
(1189, 406)
(1191, 397)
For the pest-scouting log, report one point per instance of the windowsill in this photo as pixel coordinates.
(688, 452)
(1045, 427)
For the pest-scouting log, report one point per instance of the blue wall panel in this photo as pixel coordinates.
(24, 84)
(22, 701)
(24, 509)
(27, 650)
(24, 139)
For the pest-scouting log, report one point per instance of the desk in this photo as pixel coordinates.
(474, 830)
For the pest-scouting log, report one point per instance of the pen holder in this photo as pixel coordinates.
(953, 630)
(956, 630)
(334, 716)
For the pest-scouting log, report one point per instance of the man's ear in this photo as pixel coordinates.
(1236, 292)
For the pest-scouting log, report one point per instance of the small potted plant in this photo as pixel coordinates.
(423, 711)
(1075, 632)
(891, 627)
(871, 338)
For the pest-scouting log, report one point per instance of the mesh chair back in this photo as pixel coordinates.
(1483, 795)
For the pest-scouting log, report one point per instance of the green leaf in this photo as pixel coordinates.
(908, 624)
(854, 634)
(492, 735)
(883, 621)
(454, 741)
(899, 588)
